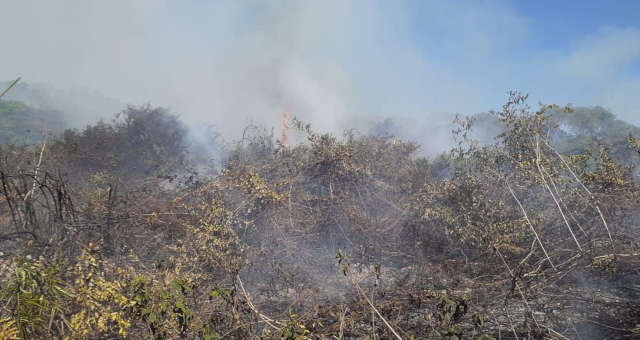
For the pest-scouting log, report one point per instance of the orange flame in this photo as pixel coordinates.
(284, 140)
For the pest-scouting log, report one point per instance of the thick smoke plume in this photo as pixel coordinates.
(233, 63)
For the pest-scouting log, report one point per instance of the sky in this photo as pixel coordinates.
(331, 63)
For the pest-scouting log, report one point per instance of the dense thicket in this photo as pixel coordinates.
(108, 232)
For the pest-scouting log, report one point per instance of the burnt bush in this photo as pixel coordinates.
(351, 236)
(143, 141)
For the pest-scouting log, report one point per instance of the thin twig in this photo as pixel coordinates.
(555, 188)
(10, 86)
(342, 315)
(364, 295)
(595, 202)
(526, 217)
(564, 217)
(35, 174)
(515, 279)
(269, 321)
(542, 175)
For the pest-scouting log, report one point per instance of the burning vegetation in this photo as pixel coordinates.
(111, 232)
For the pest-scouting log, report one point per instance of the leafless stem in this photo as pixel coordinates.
(269, 321)
(546, 184)
(526, 217)
(35, 175)
(364, 295)
(9, 87)
(524, 299)
(595, 202)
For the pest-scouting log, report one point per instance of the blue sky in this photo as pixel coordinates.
(567, 21)
(526, 37)
(560, 25)
(232, 62)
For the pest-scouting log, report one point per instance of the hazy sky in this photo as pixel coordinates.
(231, 62)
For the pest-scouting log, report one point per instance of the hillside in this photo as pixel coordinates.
(22, 124)
(73, 107)
(573, 130)
(110, 232)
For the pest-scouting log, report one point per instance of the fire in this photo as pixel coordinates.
(284, 140)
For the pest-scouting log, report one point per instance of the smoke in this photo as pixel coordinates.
(230, 63)
(75, 107)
